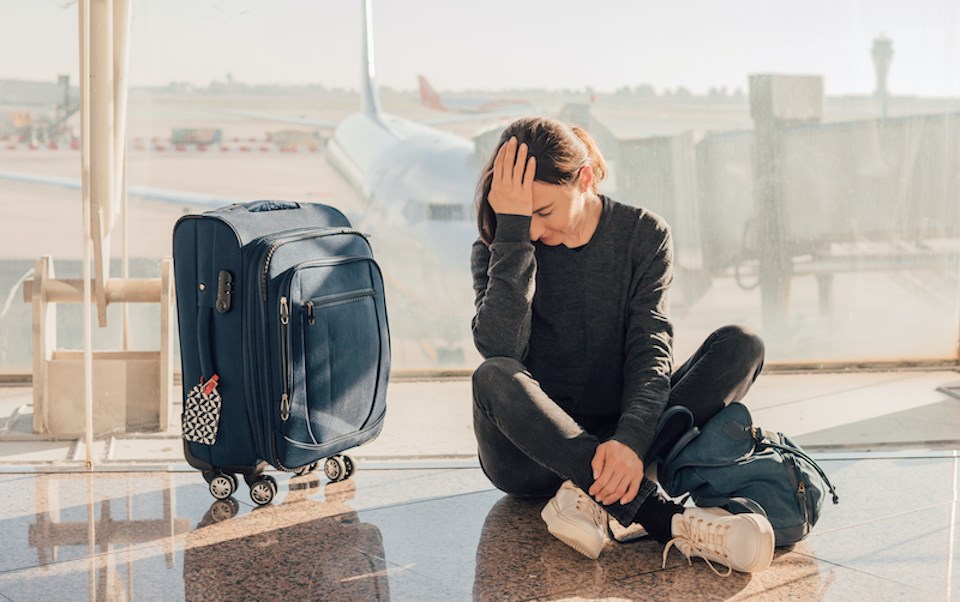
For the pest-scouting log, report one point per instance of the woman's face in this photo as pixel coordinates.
(558, 211)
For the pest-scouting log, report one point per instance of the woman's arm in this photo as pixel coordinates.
(648, 346)
(504, 280)
(504, 275)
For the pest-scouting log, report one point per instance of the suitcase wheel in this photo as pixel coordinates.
(222, 485)
(263, 490)
(338, 468)
(305, 469)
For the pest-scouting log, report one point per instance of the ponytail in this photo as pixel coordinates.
(597, 163)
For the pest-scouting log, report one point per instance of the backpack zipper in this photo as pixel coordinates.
(792, 450)
(803, 500)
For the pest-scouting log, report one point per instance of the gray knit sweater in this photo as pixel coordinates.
(590, 324)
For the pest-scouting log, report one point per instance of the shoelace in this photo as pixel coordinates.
(596, 512)
(702, 537)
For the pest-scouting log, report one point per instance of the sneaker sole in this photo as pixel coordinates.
(767, 544)
(563, 530)
(765, 547)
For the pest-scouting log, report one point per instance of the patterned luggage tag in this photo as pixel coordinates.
(201, 413)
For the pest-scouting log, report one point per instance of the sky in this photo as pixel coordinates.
(504, 44)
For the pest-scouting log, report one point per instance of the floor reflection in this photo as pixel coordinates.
(49, 533)
(517, 559)
(302, 549)
(442, 534)
(101, 535)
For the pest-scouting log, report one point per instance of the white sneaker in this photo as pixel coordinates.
(577, 520)
(740, 542)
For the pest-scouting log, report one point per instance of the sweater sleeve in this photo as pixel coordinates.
(648, 349)
(504, 280)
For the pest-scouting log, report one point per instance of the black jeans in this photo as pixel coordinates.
(529, 445)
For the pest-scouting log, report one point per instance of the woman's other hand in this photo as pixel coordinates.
(617, 473)
(511, 191)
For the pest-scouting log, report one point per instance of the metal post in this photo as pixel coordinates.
(101, 133)
(84, 17)
(774, 263)
(776, 103)
(121, 68)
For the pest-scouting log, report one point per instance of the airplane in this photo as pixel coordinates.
(431, 99)
(417, 186)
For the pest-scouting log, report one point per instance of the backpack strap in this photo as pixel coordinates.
(666, 467)
(673, 423)
(798, 452)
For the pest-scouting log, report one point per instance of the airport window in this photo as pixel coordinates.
(818, 206)
(449, 212)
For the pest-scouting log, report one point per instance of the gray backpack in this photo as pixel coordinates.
(732, 464)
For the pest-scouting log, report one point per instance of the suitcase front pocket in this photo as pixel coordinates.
(341, 345)
(335, 361)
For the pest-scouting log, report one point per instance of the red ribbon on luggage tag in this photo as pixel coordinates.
(211, 384)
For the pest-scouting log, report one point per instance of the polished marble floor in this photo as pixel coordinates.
(443, 533)
(420, 522)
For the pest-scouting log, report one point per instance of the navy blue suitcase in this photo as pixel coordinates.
(284, 341)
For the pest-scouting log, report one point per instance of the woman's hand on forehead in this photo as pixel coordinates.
(511, 191)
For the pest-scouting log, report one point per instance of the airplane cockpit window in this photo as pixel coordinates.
(415, 211)
(448, 212)
(811, 191)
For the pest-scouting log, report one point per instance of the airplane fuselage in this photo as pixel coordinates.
(417, 184)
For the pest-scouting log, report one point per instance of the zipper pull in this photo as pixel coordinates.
(284, 311)
(310, 317)
(801, 488)
(284, 407)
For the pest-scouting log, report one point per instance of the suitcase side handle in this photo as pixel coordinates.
(204, 335)
(261, 206)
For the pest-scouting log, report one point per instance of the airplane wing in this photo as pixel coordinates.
(330, 125)
(471, 117)
(176, 197)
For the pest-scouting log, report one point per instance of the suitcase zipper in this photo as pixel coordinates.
(264, 273)
(284, 321)
(338, 299)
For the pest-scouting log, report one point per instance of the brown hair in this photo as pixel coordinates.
(561, 151)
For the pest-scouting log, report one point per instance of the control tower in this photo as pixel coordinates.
(882, 57)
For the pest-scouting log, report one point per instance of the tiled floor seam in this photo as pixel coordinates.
(834, 393)
(393, 565)
(883, 518)
(5, 597)
(179, 541)
(14, 477)
(867, 573)
(424, 500)
(394, 568)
